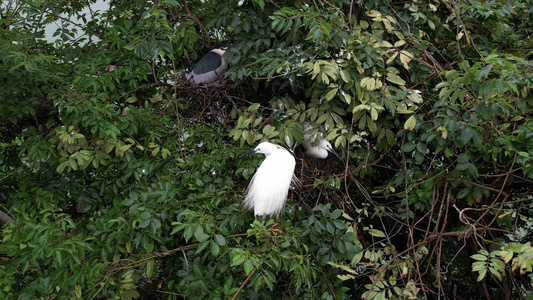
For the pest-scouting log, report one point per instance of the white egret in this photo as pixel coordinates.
(267, 192)
(321, 150)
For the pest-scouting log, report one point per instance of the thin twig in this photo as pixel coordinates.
(244, 284)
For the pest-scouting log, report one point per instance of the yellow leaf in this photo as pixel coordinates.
(416, 98)
(460, 35)
(384, 44)
(410, 123)
(345, 75)
(364, 82)
(347, 97)
(506, 255)
(395, 79)
(379, 84)
(376, 233)
(405, 59)
(391, 19)
(374, 113)
(128, 246)
(387, 24)
(325, 78)
(392, 58)
(165, 153)
(444, 132)
(361, 107)
(345, 277)
(155, 151)
(369, 83)
(316, 69)
(377, 106)
(399, 43)
(373, 13)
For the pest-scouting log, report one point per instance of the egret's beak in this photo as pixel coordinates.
(330, 150)
(249, 152)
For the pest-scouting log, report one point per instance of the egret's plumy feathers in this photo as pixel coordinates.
(268, 190)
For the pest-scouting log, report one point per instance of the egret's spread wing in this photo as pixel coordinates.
(209, 62)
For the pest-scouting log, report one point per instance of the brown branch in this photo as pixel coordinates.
(133, 264)
(507, 194)
(244, 284)
(5, 218)
(372, 163)
(195, 19)
(188, 272)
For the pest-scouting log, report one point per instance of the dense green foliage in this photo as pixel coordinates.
(120, 180)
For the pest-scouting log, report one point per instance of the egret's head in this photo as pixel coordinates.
(265, 148)
(324, 144)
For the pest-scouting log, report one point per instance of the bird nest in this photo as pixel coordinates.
(214, 100)
(318, 178)
(42, 115)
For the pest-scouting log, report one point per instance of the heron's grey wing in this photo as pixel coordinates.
(209, 62)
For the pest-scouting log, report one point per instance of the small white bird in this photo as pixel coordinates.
(323, 147)
(210, 68)
(268, 190)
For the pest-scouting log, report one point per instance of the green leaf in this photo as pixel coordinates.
(200, 235)
(72, 163)
(442, 84)
(237, 260)
(202, 246)
(408, 147)
(482, 274)
(261, 4)
(422, 148)
(248, 266)
(219, 239)
(445, 93)
(480, 257)
(144, 223)
(61, 167)
(462, 193)
(215, 249)
(336, 214)
(331, 94)
(150, 267)
(466, 135)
